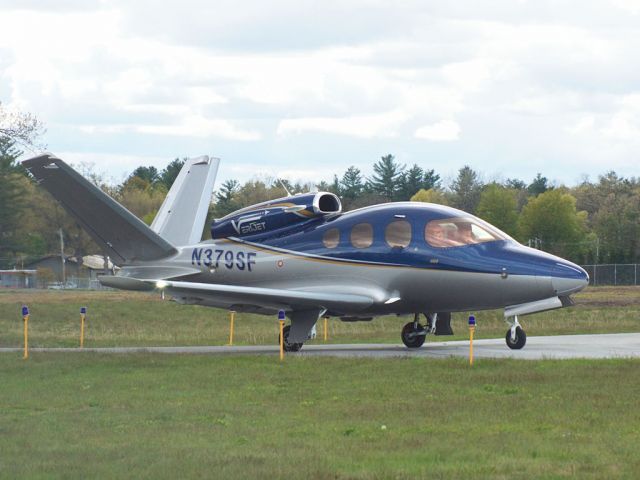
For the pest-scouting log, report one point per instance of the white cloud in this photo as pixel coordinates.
(619, 123)
(191, 126)
(631, 6)
(443, 131)
(622, 126)
(289, 80)
(586, 123)
(364, 126)
(198, 126)
(470, 75)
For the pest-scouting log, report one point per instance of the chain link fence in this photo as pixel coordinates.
(85, 283)
(613, 274)
(18, 279)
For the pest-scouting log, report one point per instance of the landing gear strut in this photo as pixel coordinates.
(516, 338)
(289, 347)
(413, 333)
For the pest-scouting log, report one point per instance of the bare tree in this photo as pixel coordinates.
(23, 128)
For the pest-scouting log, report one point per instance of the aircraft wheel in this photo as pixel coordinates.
(520, 340)
(289, 347)
(412, 337)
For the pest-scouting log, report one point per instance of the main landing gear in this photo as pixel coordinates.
(289, 346)
(302, 328)
(516, 338)
(413, 333)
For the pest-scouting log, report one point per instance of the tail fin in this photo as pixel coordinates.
(181, 217)
(124, 237)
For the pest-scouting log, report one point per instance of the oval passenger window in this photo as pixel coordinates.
(362, 235)
(331, 238)
(398, 234)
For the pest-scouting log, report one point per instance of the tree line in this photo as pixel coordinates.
(592, 222)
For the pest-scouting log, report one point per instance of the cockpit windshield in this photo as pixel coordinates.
(459, 231)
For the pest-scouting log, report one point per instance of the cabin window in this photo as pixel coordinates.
(456, 232)
(362, 235)
(398, 234)
(331, 238)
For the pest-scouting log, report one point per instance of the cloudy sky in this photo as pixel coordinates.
(304, 89)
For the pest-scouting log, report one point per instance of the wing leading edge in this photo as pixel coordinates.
(275, 298)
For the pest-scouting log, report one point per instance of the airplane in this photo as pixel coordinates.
(303, 255)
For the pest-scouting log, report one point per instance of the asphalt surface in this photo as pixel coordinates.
(622, 345)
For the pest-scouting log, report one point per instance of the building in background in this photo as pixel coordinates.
(18, 278)
(51, 273)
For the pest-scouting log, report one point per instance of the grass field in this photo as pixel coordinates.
(130, 319)
(182, 416)
(144, 416)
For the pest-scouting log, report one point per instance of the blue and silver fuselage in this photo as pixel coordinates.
(385, 251)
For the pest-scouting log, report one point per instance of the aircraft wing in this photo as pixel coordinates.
(275, 298)
(124, 237)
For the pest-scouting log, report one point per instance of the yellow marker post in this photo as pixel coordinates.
(83, 315)
(472, 329)
(281, 322)
(232, 315)
(325, 328)
(25, 320)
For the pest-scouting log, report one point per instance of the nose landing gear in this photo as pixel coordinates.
(516, 338)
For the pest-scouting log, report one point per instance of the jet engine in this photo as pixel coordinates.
(276, 215)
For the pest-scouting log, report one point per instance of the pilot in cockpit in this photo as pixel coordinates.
(435, 235)
(465, 235)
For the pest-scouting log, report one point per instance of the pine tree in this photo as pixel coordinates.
(515, 184)
(414, 180)
(336, 187)
(411, 182)
(225, 198)
(466, 189)
(430, 180)
(386, 178)
(351, 183)
(149, 175)
(171, 171)
(538, 185)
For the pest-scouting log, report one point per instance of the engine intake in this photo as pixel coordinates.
(327, 203)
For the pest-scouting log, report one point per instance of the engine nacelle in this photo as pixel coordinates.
(275, 215)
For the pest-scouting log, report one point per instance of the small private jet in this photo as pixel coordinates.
(303, 255)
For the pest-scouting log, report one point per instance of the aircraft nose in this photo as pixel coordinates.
(570, 279)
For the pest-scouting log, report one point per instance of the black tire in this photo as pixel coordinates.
(412, 341)
(519, 342)
(289, 347)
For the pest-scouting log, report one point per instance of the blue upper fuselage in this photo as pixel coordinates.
(501, 256)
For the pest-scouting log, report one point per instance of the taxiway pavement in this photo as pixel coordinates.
(621, 345)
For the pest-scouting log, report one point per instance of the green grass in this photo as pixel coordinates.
(155, 416)
(173, 416)
(130, 319)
